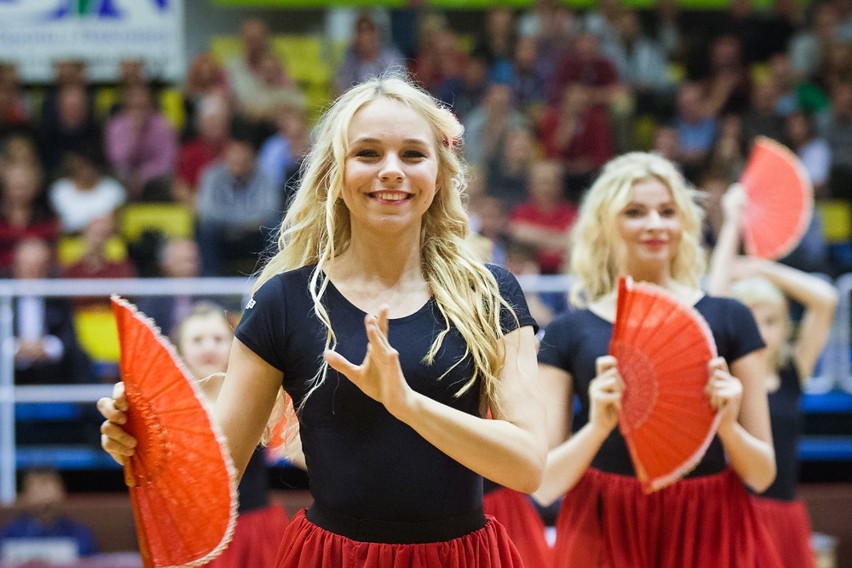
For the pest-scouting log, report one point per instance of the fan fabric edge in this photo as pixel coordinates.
(220, 438)
(804, 178)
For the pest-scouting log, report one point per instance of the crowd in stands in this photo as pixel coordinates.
(547, 95)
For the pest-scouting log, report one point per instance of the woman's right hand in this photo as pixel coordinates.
(605, 392)
(117, 443)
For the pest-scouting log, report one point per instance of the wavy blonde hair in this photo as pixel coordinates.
(594, 238)
(316, 229)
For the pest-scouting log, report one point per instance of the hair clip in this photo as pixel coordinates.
(448, 142)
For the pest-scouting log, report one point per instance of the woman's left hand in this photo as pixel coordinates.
(725, 392)
(379, 376)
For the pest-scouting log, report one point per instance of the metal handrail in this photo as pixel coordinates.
(10, 394)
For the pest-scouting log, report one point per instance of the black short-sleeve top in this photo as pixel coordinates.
(573, 341)
(787, 422)
(362, 461)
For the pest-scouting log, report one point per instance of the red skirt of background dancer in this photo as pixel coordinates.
(789, 526)
(606, 521)
(256, 538)
(305, 545)
(514, 511)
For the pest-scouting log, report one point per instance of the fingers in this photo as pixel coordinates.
(603, 364)
(377, 334)
(340, 363)
(718, 364)
(119, 396)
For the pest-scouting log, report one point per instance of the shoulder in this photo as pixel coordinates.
(719, 305)
(285, 283)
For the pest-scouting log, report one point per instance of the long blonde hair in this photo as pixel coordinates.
(316, 229)
(594, 257)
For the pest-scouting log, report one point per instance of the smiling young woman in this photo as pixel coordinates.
(393, 341)
(639, 219)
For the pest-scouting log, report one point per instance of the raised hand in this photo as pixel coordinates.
(725, 392)
(605, 392)
(117, 443)
(379, 375)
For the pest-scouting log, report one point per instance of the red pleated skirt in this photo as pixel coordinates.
(514, 511)
(257, 536)
(606, 521)
(305, 545)
(789, 527)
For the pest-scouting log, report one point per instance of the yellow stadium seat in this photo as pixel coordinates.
(836, 216)
(105, 99)
(97, 333)
(171, 105)
(224, 48)
(71, 248)
(171, 219)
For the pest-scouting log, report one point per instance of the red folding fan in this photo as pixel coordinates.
(663, 348)
(779, 200)
(181, 480)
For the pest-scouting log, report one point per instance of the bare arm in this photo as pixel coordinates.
(570, 455)
(242, 408)
(727, 243)
(245, 402)
(509, 450)
(818, 297)
(744, 428)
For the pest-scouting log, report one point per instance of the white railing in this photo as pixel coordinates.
(835, 368)
(10, 394)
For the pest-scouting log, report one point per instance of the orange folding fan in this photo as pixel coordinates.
(181, 480)
(663, 348)
(779, 200)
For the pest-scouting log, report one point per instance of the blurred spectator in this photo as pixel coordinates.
(496, 43)
(213, 132)
(42, 493)
(844, 19)
(237, 204)
(272, 87)
(713, 183)
(66, 72)
(668, 30)
(205, 78)
(529, 79)
(281, 155)
(19, 148)
(508, 171)
(95, 263)
(728, 83)
(577, 134)
(696, 128)
(178, 258)
(13, 111)
(588, 66)
(729, 152)
(553, 26)
(522, 260)
(585, 64)
(666, 142)
(465, 92)
(784, 84)
(492, 222)
(45, 342)
(762, 117)
(366, 56)
(809, 47)
(252, 69)
(23, 214)
(132, 75)
(838, 133)
(142, 147)
(487, 126)
(73, 128)
(86, 193)
(545, 218)
(813, 150)
(602, 21)
(438, 56)
(642, 65)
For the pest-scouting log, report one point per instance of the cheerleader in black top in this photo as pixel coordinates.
(639, 219)
(764, 286)
(393, 341)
